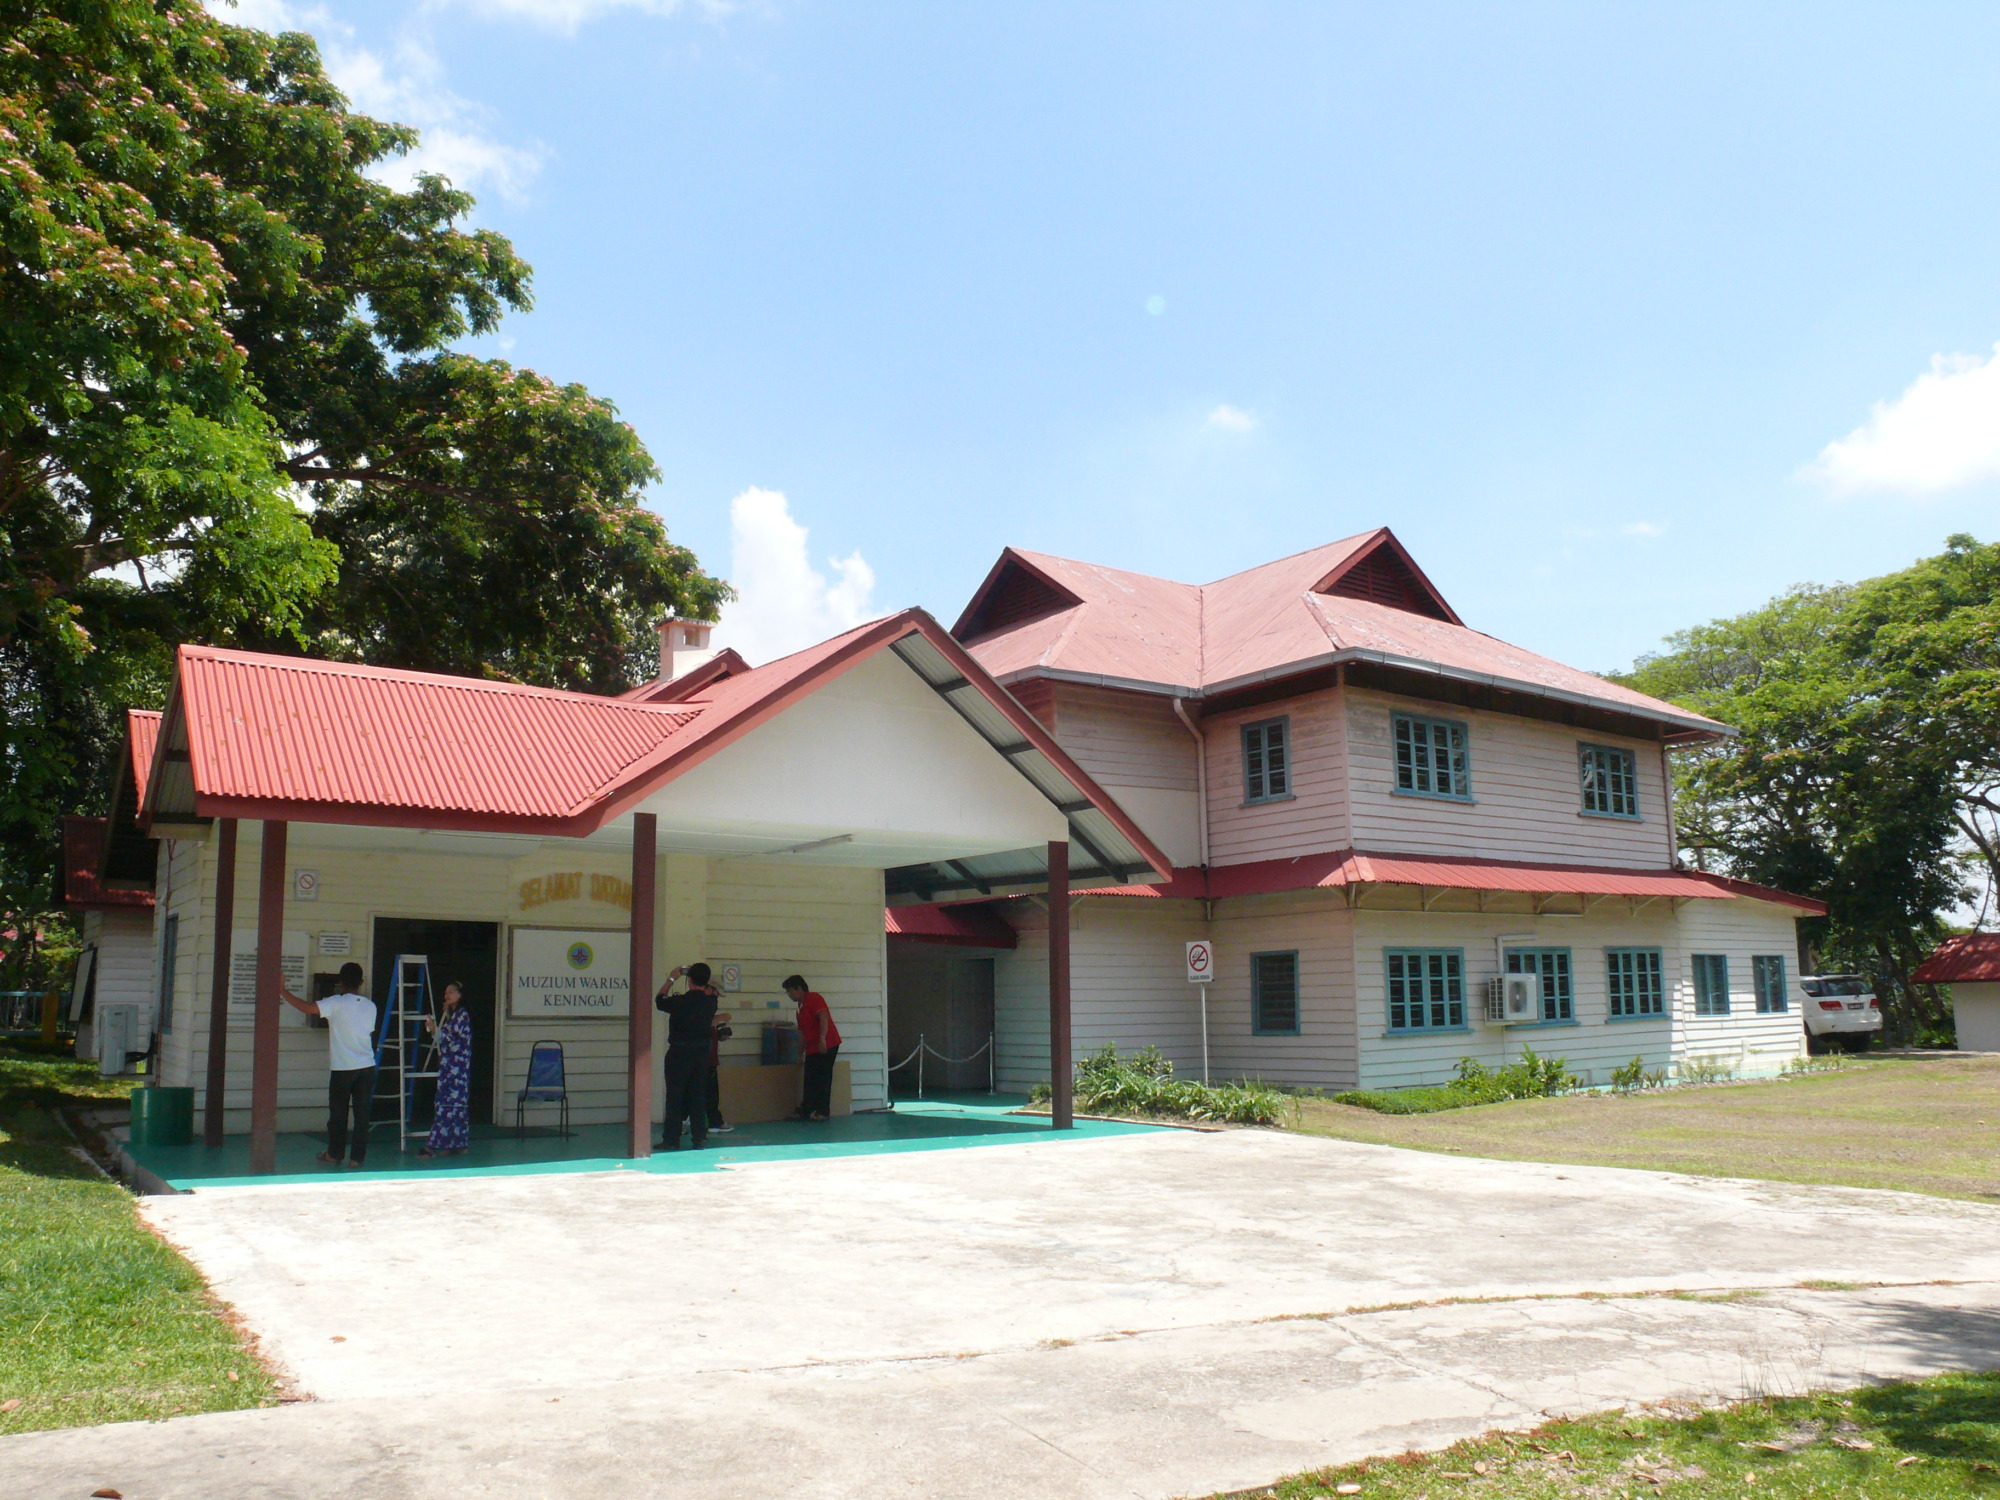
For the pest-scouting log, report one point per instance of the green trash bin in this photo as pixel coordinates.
(162, 1117)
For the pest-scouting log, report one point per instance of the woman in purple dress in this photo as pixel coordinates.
(451, 1132)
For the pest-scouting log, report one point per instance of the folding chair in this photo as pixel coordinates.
(545, 1085)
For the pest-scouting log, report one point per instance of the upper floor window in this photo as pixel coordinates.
(1274, 994)
(1431, 758)
(1632, 979)
(1767, 978)
(1426, 988)
(1551, 966)
(1711, 983)
(1267, 760)
(1610, 781)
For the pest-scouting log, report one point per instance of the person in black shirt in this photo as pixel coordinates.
(690, 1028)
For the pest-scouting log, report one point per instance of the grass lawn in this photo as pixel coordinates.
(1921, 1440)
(99, 1320)
(1924, 1125)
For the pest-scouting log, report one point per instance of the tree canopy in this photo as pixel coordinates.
(231, 408)
(1867, 771)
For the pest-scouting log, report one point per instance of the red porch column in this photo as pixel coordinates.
(218, 989)
(1061, 1070)
(270, 974)
(639, 1038)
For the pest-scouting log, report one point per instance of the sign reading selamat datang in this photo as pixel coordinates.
(570, 973)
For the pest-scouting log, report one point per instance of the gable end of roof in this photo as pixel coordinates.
(1383, 572)
(1014, 592)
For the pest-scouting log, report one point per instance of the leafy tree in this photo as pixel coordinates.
(230, 411)
(1866, 757)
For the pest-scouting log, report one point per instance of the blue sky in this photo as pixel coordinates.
(1622, 316)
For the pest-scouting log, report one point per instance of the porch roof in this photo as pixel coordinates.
(301, 740)
(1969, 958)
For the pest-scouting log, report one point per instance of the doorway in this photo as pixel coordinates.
(944, 996)
(465, 953)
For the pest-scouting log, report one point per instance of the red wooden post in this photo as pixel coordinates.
(270, 974)
(218, 989)
(639, 1037)
(1061, 1070)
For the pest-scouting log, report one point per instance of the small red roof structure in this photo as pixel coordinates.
(967, 925)
(1362, 599)
(82, 852)
(1969, 958)
(1349, 867)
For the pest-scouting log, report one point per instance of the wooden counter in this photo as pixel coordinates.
(754, 1092)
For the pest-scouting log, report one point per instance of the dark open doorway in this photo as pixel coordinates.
(465, 952)
(943, 996)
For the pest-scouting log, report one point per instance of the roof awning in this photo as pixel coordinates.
(1350, 868)
(1969, 958)
(966, 925)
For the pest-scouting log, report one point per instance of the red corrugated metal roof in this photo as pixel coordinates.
(1350, 867)
(1969, 958)
(142, 733)
(291, 729)
(967, 926)
(1261, 623)
(83, 848)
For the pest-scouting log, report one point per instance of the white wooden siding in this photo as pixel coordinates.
(1527, 798)
(1320, 930)
(1740, 930)
(1314, 819)
(1138, 750)
(1128, 986)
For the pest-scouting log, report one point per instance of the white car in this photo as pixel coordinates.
(1840, 1010)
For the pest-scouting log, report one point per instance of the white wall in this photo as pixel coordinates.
(1739, 930)
(1322, 931)
(1136, 748)
(1314, 818)
(1976, 1008)
(1527, 797)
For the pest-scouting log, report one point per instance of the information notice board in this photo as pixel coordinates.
(570, 973)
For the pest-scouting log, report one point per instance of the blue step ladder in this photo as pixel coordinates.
(404, 1045)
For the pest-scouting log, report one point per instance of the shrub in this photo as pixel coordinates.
(1142, 1083)
(1706, 1070)
(1533, 1077)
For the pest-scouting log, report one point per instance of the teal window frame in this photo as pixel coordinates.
(1557, 973)
(1258, 997)
(1634, 984)
(1610, 778)
(1267, 761)
(1415, 750)
(1767, 979)
(1425, 983)
(1711, 983)
(170, 943)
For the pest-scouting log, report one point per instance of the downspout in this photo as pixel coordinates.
(1200, 775)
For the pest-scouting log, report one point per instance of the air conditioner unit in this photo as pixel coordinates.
(1513, 1000)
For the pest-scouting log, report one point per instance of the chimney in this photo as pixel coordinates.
(683, 646)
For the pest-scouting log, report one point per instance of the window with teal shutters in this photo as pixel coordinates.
(1711, 983)
(1426, 988)
(1632, 981)
(1432, 758)
(1610, 781)
(1551, 966)
(1767, 978)
(1274, 994)
(1267, 761)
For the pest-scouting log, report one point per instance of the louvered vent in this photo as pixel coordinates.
(1016, 596)
(1384, 578)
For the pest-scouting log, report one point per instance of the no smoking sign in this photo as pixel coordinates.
(1200, 962)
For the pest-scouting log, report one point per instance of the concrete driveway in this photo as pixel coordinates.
(1170, 1313)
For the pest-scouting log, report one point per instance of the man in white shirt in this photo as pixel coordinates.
(350, 1085)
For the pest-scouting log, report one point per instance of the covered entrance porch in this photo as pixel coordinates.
(755, 820)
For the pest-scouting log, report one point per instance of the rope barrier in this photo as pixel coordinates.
(924, 1048)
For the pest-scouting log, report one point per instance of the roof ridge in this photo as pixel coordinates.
(1290, 557)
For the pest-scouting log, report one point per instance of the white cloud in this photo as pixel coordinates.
(783, 604)
(1227, 418)
(1941, 433)
(1644, 528)
(567, 15)
(407, 87)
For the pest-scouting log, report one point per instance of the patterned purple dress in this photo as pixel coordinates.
(450, 1130)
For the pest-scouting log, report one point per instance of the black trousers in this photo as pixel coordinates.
(818, 1088)
(687, 1094)
(714, 1095)
(349, 1090)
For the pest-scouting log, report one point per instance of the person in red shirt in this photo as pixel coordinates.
(821, 1045)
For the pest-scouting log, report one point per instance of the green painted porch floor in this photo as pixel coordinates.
(933, 1124)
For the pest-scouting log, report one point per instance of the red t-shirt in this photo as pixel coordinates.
(816, 1028)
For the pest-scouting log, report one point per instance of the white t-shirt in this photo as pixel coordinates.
(350, 1023)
